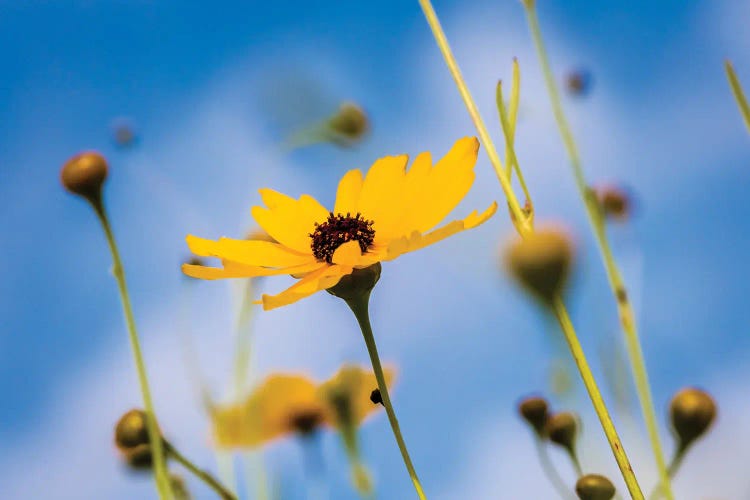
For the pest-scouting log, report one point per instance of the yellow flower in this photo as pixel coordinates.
(293, 404)
(378, 217)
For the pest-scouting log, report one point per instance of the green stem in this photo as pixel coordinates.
(550, 471)
(360, 308)
(739, 95)
(155, 441)
(201, 474)
(561, 313)
(576, 463)
(635, 353)
(674, 466)
(244, 339)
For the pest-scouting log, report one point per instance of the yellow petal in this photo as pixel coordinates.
(236, 270)
(251, 253)
(445, 186)
(354, 384)
(289, 221)
(316, 281)
(348, 254)
(415, 183)
(416, 240)
(381, 199)
(347, 194)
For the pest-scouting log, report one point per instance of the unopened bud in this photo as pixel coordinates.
(535, 411)
(541, 262)
(692, 412)
(595, 487)
(84, 175)
(131, 430)
(614, 202)
(578, 82)
(349, 122)
(358, 283)
(561, 429)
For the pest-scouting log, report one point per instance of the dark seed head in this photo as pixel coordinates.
(337, 230)
(306, 422)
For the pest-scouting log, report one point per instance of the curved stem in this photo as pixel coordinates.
(155, 441)
(360, 308)
(550, 471)
(635, 353)
(561, 313)
(200, 473)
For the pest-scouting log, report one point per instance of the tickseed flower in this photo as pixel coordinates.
(378, 217)
(287, 404)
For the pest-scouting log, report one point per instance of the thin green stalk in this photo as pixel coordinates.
(550, 471)
(509, 128)
(201, 474)
(635, 353)
(739, 95)
(674, 466)
(244, 339)
(561, 313)
(155, 441)
(360, 308)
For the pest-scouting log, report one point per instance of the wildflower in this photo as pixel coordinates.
(594, 487)
(541, 262)
(387, 213)
(692, 412)
(535, 411)
(293, 404)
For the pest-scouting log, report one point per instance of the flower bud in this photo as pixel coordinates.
(614, 202)
(84, 175)
(594, 487)
(561, 429)
(139, 457)
(350, 122)
(123, 132)
(578, 82)
(692, 411)
(358, 283)
(131, 430)
(541, 262)
(535, 411)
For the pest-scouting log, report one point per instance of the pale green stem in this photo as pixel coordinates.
(635, 353)
(674, 466)
(550, 471)
(510, 151)
(155, 441)
(244, 340)
(201, 474)
(561, 313)
(360, 308)
(739, 95)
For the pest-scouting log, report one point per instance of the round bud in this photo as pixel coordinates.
(131, 430)
(535, 411)
(594, 487)
(350, 121)
(578, 82)
(541, 262)
(84, 174)
(614, 202)
(561, 429)
(692, 411)
(139, 457)
(358, 283)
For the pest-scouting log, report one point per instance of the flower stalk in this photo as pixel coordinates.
(625, 309)
(201, 474)
(524, 227)
(739, 94)
(359, 304)
(155, 441)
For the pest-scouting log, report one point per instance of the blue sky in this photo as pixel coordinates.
(210, 90)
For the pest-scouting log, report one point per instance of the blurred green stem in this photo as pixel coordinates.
(627, 318)
(550, 471)
(155, 441)
(739, 95)
(204, 476)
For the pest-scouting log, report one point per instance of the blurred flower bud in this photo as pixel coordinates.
(561, 429)
(179, 487)
(541, 262)
(359, 282)
(123, 132)
(595, 487)
(84, 175)
(614, 202)
(578, 82)
(535, 411)
(139, 457)
(692, 412)
(350, 122)
(131, 430)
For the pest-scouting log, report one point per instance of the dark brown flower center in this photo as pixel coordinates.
(306, 422)
(337, 230)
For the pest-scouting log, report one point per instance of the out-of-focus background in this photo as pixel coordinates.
(210, 94)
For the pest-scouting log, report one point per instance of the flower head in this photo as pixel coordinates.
(287, 404)
(377, 217)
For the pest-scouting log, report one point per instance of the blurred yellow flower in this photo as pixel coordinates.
(287, 404)
(378, 217)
